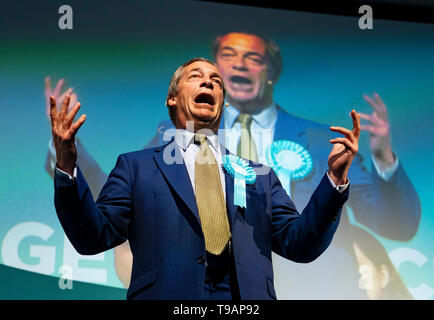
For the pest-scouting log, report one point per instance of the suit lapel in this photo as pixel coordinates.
(287, 127)
(177, 176)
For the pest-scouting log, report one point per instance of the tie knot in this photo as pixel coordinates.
(245, 119)
(199, 138)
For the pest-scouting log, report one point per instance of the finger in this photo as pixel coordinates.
(59, 85)
(366, 116)
(69, 91)
(372, 118)
(356, 123)
(47, 95)
(73, 101)
(76, 126)
(47, 83)
(377, 104)
(71, 115)
(343, 141)
(369, 100)
(379, 101)
(375, 130)
(65, 105)
(53, 109)
(347, 133)
(369, 128)
(374, 104)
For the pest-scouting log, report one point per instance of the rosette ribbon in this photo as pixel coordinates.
(242, 173)
(289, 160)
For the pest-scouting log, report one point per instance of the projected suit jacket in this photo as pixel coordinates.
(152, 204)
(389, 208)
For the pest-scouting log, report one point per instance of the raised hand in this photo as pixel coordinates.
(344, 150)
(64, 131)
(379, 131)
(56, 93)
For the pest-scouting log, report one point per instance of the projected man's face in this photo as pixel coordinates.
(241, 61)
(200, 96)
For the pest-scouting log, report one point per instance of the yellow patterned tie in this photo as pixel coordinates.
(210, 199)
(246, 146)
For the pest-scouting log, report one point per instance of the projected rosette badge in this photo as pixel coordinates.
(290, 161)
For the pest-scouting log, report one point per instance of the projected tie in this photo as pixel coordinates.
(246, 146)
(210, 199)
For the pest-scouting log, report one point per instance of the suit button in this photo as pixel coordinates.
(201, 259)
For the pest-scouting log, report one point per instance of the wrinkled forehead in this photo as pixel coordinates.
(244, 42)
(203, 67)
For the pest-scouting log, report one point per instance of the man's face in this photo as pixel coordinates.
(241, 61)
(200, 96)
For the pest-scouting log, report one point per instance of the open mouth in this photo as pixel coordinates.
(240, 80)
(205, 98)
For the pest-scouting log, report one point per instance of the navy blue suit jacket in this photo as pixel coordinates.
(391, 209)
(152, 204)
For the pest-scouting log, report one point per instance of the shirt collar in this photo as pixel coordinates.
(184, 138)
(266, 119)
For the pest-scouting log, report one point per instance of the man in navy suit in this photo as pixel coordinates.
(162, 200)
(382, 199)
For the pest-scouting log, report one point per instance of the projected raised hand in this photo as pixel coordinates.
(58, 96)
(64, 131)
(379, 131)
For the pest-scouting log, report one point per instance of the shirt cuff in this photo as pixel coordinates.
(340, 188)
(387, 173)
(63, 178)
(53, 157)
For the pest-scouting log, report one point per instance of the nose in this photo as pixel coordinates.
(207, 83)
(239, 64)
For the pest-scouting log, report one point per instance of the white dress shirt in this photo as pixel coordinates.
(185, 140)
(262, 130)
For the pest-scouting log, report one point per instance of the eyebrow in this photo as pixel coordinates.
(248, 53)
(196, 69)
(214, 74)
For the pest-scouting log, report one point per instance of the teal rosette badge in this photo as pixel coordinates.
(289, 160)
(242, 173)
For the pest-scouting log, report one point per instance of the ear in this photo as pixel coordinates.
(384, 276)
(270, 76)
(172, 101)
(270, 80)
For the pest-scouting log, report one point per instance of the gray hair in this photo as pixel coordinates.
(173, 86)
